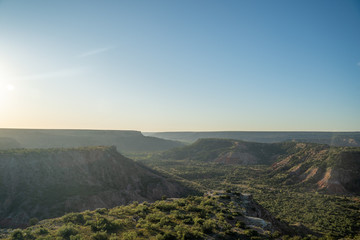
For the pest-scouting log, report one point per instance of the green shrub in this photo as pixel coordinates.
(165, 206)
(185, 233)
(42, 231)
(66, 231)
(199, 221)
(240, 224)
(193, 208)
(76, 218)
(102, 210)
(33, 221)
(17, 235)
(165, 221)
(155, 217)
(76, 237)
(188, 220)
(114, 237)
(166, 236)
(102, 224)
(99, 236)
(209, 226)
(131, 235)
(251, 232)
(28, 235)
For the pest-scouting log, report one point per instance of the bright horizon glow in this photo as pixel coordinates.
(180, 66)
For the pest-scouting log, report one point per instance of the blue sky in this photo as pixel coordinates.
(180, 65)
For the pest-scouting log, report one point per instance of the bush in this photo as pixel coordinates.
(33, 221)
(28, 235)
(76, 218)
(132, 235)
(251, 232)
(240, 224)
(76, 237)
(209, 226)
(166, 236)
(102, 210)
(165, 206)
(17, 235)
(188, 220)
(155, 217)
(102, 224)
(165, 221)
(99, 236)
(114, 237)
(66, 231)
(42, 231)
(185, 233)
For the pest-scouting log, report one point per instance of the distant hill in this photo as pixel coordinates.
(351, 139)
(229, 151)
(125, 141)
(308, 165)
(46, 183)
(8, 143)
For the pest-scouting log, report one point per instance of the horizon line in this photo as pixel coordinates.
(174, 131)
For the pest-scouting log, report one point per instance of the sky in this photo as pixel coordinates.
(204, 65)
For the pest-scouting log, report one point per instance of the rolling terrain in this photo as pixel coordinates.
(228, 151)
(216, 215)
(125, 141)
(283, 180)
(8, 143)
(306, 165)
(299, 188)
(46, 183)
(351, 139)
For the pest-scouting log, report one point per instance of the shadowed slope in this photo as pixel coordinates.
(46, 183)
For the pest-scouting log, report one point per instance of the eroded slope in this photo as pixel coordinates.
(47, 183)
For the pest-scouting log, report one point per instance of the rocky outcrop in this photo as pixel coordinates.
(320, 167)
(258, 215)
(46, 183)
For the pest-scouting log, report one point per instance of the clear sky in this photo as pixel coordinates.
(199, 65)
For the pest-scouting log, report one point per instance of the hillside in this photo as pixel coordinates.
(351, 139)
(278, 190)
(216, 215)
(8, 143)
(332, 169)
(306, 165)
(46, 183)
(229, 151)
(125, 141)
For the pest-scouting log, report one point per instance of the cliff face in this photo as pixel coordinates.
(50, 182)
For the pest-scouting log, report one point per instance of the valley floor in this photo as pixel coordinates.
(329, 215)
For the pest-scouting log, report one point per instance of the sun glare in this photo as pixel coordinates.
(6, 78)
(10, 87)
